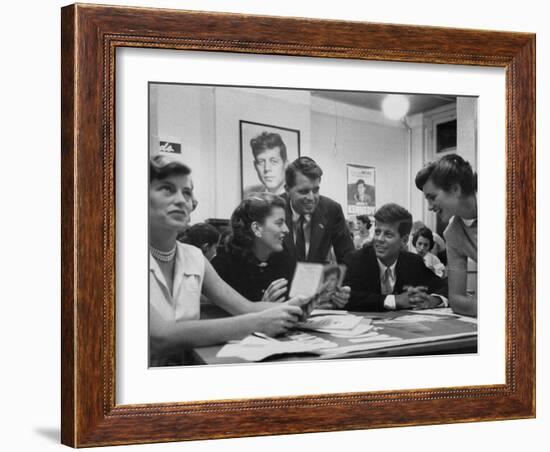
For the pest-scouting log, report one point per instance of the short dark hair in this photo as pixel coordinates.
(305, 165)
(256, 207)
(365, 219)
(426, 233)
(267, 140)
(449, 170)
(393, 213)
(161, 167)
(200, 234)
(360, 181)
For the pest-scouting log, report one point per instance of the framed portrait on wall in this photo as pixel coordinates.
(266, 151)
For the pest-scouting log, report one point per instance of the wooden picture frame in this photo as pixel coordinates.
(90, 37)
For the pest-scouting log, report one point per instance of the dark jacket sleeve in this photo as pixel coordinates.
(414, 272)
(341, 238)
(365, 294)
(435, 284)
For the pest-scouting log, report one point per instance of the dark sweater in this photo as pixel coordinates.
(251, 279)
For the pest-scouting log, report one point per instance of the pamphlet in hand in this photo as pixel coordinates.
(316, 280)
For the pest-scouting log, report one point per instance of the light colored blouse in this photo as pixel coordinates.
(184, 301)
(461, 238)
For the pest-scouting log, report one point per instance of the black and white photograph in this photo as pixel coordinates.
(265, 153)
(361, 190)
(231, 258)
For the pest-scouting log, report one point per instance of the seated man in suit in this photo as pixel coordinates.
(384, 277)
(315, 222)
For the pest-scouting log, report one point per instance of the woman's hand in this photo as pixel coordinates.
(278, 319)
(276, 291)
(306, 304)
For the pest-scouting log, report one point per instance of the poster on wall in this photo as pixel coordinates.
(266, 150)
(361, 189)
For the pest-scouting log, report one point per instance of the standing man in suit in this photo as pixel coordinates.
(315, 222)
(384, 277)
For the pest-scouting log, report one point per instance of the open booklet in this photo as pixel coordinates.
(316, 280)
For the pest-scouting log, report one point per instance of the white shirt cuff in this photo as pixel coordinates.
(389, 302)
(444, 300)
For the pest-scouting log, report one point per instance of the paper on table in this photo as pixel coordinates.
(362, 328)
(253, 348)
(317, 312)
(331, 322)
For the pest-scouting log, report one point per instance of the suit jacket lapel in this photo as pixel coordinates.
(289, 238)
(399, 269)
(372, 266)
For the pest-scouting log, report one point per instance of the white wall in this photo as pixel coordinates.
(205, 120)
(337, 141)
(233, 105)
(466, 133)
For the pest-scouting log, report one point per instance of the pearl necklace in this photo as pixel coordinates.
(163, 256)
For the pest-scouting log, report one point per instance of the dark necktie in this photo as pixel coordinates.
(301, 239)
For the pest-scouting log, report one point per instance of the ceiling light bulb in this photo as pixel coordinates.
(395, 106)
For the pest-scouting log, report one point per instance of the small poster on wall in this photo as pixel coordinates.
(361, 190)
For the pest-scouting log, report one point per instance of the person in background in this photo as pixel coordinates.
(179, 273)
(253, 264)
(439, 248)
(204, 236)
(270, 162)
(316, 223)
(384, 277)
(423, 242)
(450, 187)
(363, 237)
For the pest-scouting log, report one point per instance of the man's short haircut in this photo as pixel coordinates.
(393, 213)
(449, 170)
(426, 233)
(359, 182)
(364, 219)
(200, 234)
(267, 140)
(304, 165)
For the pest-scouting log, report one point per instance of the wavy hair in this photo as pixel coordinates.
(426, 233)
(255, 208)
(447, 171)
(161, 167)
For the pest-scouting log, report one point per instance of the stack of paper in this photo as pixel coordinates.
(336, 323)
(257, 348)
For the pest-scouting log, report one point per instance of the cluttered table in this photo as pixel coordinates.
(342, 334)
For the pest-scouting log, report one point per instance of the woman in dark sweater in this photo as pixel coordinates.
(254, 264)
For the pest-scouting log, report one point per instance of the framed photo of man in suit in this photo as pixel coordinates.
(265, 152)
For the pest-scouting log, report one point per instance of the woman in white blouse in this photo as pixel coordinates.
(179, 273)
